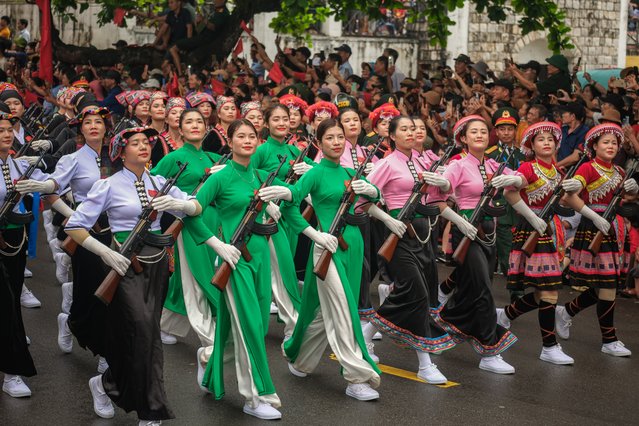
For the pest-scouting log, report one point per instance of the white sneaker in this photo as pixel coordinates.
(54, 245)
(377, 336)
(384, 290)
(555, 355)
(168, 339)
(502, 319)
(28, 340)
(441, 297)
(62, 267)
(27, 273)
(496, 364)
(15, 387)
(431, 375)
(101, 402)
(103, 365)
(615, 349)
(149, 422)
(371, 352)
(273, 308)
(263, 411)
(361, 391)
(563, 321)
(67, 297)
(200, 370)
(65, 338)
(295, 372)
(47, 222)
(27, 299)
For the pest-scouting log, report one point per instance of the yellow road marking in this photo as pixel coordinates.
(405, 374)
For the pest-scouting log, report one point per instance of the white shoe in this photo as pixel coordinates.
(431, 375)
(101, 402)
(62, 266)
(149, 422)
(615, 349)
(54, 245)
(15, 387)
(168, 339)
(103, 365)
(442, 298)
(502, 319)
(295, 372)
(65, 338)
(377, 336)
(496, 364)
(555, 355)
(370, 347)
(200, 371)
(28, 340)
(67, 297)
(563, 321)
(263, 411)
(273, 308)
(47, 219)
(383, 290)
(27, 273)
(361, 391)
(27, 299)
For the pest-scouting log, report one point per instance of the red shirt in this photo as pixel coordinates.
(542, 180)
(600, 180)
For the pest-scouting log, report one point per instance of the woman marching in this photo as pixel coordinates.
(404, 314)
(79, 171)
(217, 140)
(542, 270)
(190, 294)
(589, 193)
(329, 312)
(15, 359)
(252, 111)
(244, 304)
(467, 311)
(134, 379)
(283, 244)
(172, 136)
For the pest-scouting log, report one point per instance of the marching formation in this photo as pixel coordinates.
(200, 213)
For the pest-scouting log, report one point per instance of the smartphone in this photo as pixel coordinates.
(188, 70)
(354, 89)
(391, 61)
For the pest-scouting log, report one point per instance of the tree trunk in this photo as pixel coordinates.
(220, 46)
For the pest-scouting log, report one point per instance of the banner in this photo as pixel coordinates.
(46, 44)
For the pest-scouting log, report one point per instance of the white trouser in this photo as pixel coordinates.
(285, 308)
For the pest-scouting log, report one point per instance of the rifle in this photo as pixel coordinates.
(11, 199)
(483, 208)
(119, 126)
(614, 208)
(409, 210)
(176, 227)
(551, 208)
(244, 230)
(69, 245)
(339, 221)
(136, 240)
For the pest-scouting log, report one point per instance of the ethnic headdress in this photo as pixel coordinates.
(542, 127)
(322, 109)
(293, 102)
(119, 141)
(596, 132)
(247, 107)
(196, 98)
(387, 111)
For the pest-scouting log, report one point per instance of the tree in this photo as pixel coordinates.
(296, 16)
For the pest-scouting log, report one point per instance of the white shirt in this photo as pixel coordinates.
(16, 168)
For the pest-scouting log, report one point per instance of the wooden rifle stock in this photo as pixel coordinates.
(387, 250)
(321, 267)
(308, 213)
(110, 284)
(222, 276)
(459, 255)
(530, 244)
(69, 245)
(595, 244)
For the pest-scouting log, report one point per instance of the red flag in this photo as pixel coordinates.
(275, 73)
(173, 87)
(118, 16)
(245, 27)
(218, 87)
(46, 44)
(239, 47)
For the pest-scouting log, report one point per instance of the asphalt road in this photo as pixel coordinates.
(598, 389)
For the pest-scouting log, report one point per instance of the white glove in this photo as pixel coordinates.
(275, 192)
(441, 169)
(571, 185)
(368, 168)
(301, 168)
(464, 226)
(322, 239)
(530, 216)
(361, 187)
(62, 208)
(503, 181)
(229, 253)
(29, 185)
(166, 203)
(213, 170)
(630, 186)
(602, 224)
(397, 227)
(31, 159)
(273, 210)
(110, 257)
(436, 180)
(41, 145)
